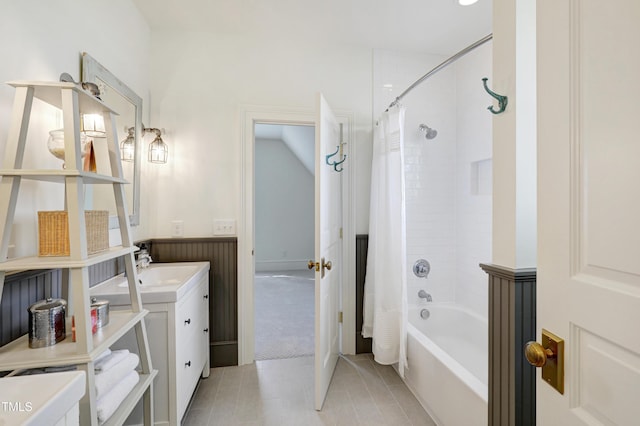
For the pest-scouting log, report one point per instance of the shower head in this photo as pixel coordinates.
(429, 132)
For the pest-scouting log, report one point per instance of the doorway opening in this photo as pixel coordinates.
(284, 173)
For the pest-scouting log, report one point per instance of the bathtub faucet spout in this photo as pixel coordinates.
(424, 295)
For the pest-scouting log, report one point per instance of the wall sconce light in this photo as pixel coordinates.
(128, 146)
(158, 150)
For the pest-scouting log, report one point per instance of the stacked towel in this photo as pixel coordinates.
(109, 403)
(115, 377)
(102, 356)
(105, 380)
(103, 363)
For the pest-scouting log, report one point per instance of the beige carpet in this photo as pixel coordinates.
(284, 314)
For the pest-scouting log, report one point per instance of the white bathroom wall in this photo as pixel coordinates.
(448, 178)
(430, 165)
(473, 179)
(41, 40)
(284, 203)
(200, 82)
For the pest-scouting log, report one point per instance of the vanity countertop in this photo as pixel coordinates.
(39, 399)
(159, 283)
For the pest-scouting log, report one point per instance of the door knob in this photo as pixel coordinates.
(550, 356)
(536, 354)
(326, 265)
(312, 264)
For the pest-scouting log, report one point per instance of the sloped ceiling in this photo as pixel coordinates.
(299, 139)
(429, 26)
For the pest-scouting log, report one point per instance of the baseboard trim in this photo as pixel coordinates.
(223, 354)
(280, 265)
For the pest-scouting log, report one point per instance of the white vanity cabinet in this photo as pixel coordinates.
(191, 334)
(178, 335)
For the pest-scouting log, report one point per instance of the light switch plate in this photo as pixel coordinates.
(224, 227)
(177, 228)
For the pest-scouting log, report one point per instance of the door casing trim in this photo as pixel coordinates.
(249, 115)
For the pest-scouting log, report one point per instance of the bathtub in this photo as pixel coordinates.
(447, 357)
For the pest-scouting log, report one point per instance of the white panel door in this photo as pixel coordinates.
(328, 249)
(589, 207)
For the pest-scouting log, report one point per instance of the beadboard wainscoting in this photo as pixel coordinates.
(222, 253)
(512, 323)
(21, 290)
(25, 288)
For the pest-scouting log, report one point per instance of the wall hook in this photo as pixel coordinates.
(502, 100)
(335, 164)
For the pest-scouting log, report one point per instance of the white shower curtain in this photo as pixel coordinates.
(385, 301)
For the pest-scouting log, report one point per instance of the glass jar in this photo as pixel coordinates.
(56, 143)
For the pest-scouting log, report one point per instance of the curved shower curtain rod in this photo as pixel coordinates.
(441, 66)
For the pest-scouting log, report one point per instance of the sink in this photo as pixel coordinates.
(41, 398)
(159, 283)
(163, 274)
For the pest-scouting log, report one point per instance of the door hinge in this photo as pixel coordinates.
(340, 233)
(340, 317)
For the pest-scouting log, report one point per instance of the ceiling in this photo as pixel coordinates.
(429, 26)
(299, 139)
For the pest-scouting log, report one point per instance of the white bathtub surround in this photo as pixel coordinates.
(385, 297)
(450, 353)
(448, 184)
(448, 178)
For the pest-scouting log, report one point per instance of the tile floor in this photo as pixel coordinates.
(280, 392)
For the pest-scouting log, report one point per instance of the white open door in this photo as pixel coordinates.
(589, 208)
(328, 252)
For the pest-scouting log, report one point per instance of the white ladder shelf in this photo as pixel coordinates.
(74, 101)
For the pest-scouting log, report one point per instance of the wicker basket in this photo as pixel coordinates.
(53, 232)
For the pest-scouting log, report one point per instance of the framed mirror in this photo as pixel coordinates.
(128, 105)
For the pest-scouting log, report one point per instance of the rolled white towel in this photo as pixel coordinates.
(103, 364)
(103, 355)
(109, 403)
(109, 378)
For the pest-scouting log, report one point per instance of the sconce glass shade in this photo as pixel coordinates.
(128, 148)
(158, 151)
(92, 125)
